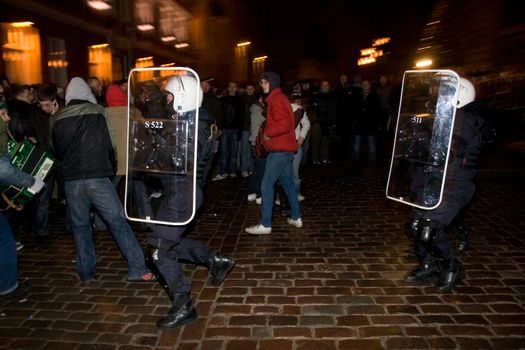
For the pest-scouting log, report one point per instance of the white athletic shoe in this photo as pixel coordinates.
(259, 200)
(297, 223)
(300, 197)
(258, 230)
(252, 197)
(219, 177)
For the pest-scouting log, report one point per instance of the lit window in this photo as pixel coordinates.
(21, 52)
(100, 62)
(144, 62)
(56, 61)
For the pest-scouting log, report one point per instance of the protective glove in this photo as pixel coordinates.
(37, 185)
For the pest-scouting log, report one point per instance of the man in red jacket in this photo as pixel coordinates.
(279, 142)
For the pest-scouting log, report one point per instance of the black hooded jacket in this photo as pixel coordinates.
(82, 142)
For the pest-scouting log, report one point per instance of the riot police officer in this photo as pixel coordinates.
(438, 262)
(167, 246)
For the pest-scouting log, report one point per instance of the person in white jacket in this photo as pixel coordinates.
(301, 133)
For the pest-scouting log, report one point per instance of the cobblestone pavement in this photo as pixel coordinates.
(335, 284)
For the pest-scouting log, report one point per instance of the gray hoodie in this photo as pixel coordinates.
(78, 89)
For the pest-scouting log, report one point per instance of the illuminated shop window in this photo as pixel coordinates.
(21, 52)
(173, 21)
(100, 63)
(144, 62)
(56, 61)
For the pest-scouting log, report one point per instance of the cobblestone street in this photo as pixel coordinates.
(335, 284)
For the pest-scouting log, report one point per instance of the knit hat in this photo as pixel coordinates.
(78, 89)
(115, 96)
(273, 78)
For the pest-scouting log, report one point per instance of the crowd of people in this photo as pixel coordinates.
(263, 132)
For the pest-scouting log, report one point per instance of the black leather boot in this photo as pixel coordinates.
(462, 232)
(449, 278)
(220, 266)
(181, 313)
(426, 272)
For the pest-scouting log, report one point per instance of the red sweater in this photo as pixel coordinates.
(280, 127)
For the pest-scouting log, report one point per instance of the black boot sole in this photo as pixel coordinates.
(191, 319)
(227, 271)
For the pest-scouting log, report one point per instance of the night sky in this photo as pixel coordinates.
(327, 31)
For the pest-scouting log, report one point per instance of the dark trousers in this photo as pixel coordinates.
(174, 248)
(456, 196)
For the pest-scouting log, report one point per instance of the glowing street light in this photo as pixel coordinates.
(98, 5)
(168, 38)
(260, 58)
(145, 27)
(22, 24)
(245, 43)
(181, 45)
(424, 63)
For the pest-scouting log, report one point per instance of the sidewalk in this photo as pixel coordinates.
(335, 284)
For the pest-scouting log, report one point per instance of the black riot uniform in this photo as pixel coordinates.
(437, 258)
(167, 245)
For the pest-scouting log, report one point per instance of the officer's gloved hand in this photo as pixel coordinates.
(37, 185)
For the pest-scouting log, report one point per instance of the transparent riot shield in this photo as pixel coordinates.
(423, 137)
(162, 145)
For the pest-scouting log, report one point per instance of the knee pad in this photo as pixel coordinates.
(427, 230)
(153, 262)
(414, 228)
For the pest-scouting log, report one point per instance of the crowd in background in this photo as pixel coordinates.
(332, 122)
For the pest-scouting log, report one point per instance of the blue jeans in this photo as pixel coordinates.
(8, 258)
(81, 196)
(371, 147)
(97, 221)
(296, 164)
(254, 182)
(245, 154)
(278, 168)
(228, 164)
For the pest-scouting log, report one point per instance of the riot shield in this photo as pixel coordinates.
(423, 136)
(162, 145)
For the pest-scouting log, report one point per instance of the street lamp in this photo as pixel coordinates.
(426, 62)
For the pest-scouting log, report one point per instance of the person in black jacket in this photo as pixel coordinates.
(167, 245)
(82, 143)
(438, 262)
(326, 110)
(28, 122)
(367, 123)
(233, 117)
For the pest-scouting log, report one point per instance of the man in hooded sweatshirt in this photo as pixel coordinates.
(279, 141)
(82, 143)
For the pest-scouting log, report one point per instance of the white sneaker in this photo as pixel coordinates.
(258, 230)
(245, 174)
(219, 177)
(19, 246)
(155, 194)
(259, 200)
(300, 197)
(252, 197)
(277, 202)
(297, 223)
